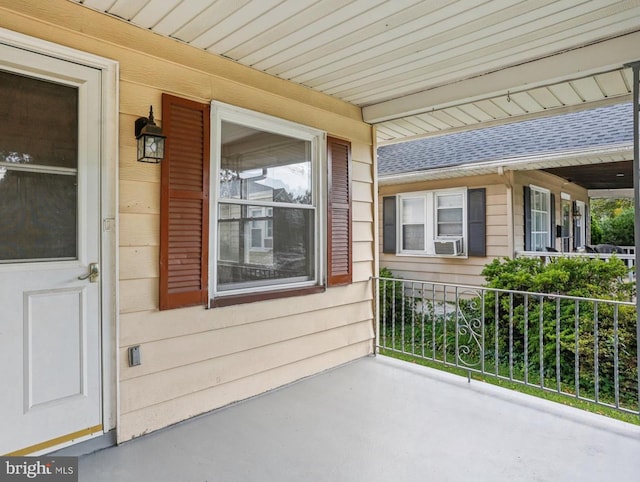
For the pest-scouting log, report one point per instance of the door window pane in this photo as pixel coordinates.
(38, 216)
(38, 169)
(38, 122)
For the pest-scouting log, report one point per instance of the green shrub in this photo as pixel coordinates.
(580, 277)
(619, 229)
(596, 231)
(574, 276)
(612, 221)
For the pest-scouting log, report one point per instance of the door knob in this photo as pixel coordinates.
(93, 275)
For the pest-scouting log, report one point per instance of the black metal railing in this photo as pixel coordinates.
(580, 347)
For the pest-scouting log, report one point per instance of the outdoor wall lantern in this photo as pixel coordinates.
(576, 212)
(150, 139)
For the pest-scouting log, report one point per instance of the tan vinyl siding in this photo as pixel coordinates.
(193, 359)
(139, 262)
(361, 211)
(362, 170)
(139, 229)
(499, 227)
(144, 327)
(139, 197)
(177, 409)
(460, 270)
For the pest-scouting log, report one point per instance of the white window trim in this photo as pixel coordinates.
(431, 222)
(226, 112)
(547, 192)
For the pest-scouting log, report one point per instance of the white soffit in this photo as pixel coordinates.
(416, 67)
(518, 105)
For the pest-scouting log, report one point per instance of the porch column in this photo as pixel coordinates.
(635, 66)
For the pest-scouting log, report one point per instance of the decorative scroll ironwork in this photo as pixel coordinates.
(469, 321)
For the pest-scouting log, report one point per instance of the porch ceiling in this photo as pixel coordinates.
(617, 175)
(417, 68)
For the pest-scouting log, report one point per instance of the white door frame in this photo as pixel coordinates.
(108, 210)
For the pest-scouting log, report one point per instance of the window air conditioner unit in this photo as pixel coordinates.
(452, 247)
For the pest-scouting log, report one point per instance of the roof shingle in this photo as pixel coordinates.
(588, 129)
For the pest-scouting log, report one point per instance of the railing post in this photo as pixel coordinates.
(558, 372)
(393, 315)
(511, 336)
(376, 308)
(402, 327)
(423, 309)
(526, 339)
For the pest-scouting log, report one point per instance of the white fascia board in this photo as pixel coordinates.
(524, 163)
(611, 193)
(572, 64)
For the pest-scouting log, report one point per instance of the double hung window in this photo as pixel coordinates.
(266, 214)
(540, 218)
(431, 216)
(252, 207)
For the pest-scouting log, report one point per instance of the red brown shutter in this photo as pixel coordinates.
(339, 212)
(184, 203)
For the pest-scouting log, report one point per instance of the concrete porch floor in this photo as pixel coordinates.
(379, 419)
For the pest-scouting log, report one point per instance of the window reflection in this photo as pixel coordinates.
(38, 169)
(266, 216)
(38, 216)
(263, 245)
(254, 162)
(16, 157)
(38, 122)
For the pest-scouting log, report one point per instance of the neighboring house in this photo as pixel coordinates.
(206, 279)
(450, 204)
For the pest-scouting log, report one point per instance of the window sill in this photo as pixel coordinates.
(263, 296)
(429, 255)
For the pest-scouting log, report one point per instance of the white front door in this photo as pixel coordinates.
(50, 357)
